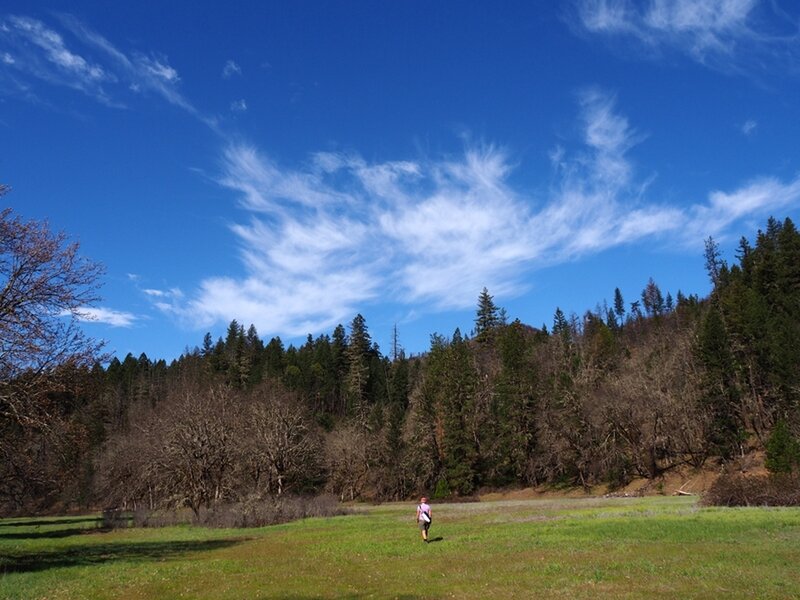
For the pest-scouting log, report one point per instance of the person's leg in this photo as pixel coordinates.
(425, 531)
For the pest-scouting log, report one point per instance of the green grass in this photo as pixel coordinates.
(617, 548)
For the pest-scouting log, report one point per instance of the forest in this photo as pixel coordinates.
(630, 389)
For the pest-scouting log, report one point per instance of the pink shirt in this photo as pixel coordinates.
(423, 507)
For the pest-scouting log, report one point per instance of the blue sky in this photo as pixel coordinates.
(292, 164)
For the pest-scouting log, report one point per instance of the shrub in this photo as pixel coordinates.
(783, 450)
(253, 511)
(738, 489)
(114, 518)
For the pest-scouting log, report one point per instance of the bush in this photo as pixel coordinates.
(257, 511)
(442, 489)
(114, 518)
(738, 489)
(161, 518)
(253, 511)
(783, 450)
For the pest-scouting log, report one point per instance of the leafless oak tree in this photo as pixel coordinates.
(44, 285)
(283, 442)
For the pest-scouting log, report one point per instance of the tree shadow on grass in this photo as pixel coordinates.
(349, 597)
(96, 554)
(63, 521)
(50, 534)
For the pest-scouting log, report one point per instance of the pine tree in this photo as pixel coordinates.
(274, 358)
(254, 355)
(358, 359)
(561, 327)
(487, 317)
(457, 402)
(508, 435)
(652, 299)
(721, 395)
(714, 262)
(339, 356)
(783, 450)
(237, 361)
(619, 305)
(208, 345)
(397, 349)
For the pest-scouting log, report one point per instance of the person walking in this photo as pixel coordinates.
(424, 517)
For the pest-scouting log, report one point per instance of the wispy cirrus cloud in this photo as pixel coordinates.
(106, 316)
(322, 241)
(759, 197)
(749, 127)
(33, 51)
(729, 35)
(230, 69)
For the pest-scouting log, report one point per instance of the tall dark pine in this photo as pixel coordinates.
(715, 265)
(457, 402)
(358, 358)
(619, 305)
(652, 299)
(340, 365)
(208, 345)
(488, 316)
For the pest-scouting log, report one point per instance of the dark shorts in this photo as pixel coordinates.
(424, 525)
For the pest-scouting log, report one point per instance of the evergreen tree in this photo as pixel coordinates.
(274, 358)
(254, 356)
(237, 361)
(457, 405)
(397, 349)
(560, 324)
(721, 390)
(619, 305)
(487, 317)
(636, 311)
(509, 433)
(339, 354)
(652, 299)
(783, 450)
(358, 360)
(208, 345)
(714, 262)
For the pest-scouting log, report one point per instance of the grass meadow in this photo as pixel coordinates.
(551, 548)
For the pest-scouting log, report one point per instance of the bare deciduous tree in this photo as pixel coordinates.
(285, 446)
(44, 285)
(198, 448)
(349, 461)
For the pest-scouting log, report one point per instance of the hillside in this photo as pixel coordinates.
(616, 399)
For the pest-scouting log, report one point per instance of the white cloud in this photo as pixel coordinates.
(170, 293)
(749, 127)
(160, 70)
(230, 69)
(106, 316)
(41, 52)
(323, 241)
(55, 49)
(100, 70)
(759, 197)
(723, 34)
(239, 106)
